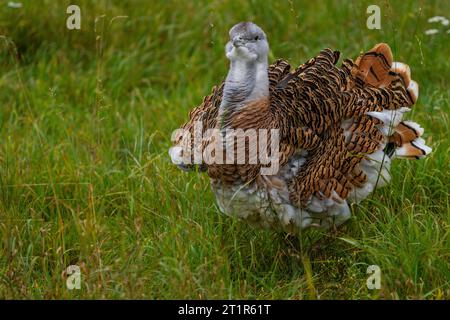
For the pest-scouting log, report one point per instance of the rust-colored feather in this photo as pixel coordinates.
(322, 109)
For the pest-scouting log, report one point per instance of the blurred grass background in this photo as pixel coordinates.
(85, 124)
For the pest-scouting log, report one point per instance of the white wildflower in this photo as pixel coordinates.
(436, 19)
(15, 5)
(429, 32)
(442, 20)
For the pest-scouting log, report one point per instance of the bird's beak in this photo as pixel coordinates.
(237, 42)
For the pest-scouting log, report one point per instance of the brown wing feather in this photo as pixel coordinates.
(308, 105)
(369, 84)
(207, 111)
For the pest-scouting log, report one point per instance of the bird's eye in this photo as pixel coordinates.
(256, 38)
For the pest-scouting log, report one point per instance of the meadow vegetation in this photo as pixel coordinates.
(85, 177)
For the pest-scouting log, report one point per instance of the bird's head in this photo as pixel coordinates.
(248, 42)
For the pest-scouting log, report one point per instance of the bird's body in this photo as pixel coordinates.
(336, 128)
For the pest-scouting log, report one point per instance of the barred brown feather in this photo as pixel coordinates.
(335, 114)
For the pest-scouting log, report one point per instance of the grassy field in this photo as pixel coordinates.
(85, 177)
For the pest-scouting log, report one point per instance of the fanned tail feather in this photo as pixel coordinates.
(398, 138)
(378, 69)
(408, 141)
(374, 66)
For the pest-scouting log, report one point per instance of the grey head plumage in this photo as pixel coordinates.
(247, 41)
(247, 50)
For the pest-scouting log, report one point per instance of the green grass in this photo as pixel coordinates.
(85, 124)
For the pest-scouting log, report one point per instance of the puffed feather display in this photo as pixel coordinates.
(338, 129)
